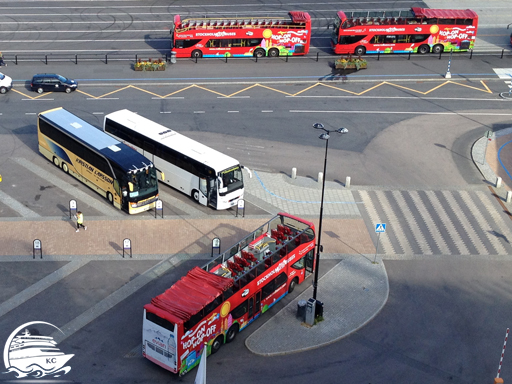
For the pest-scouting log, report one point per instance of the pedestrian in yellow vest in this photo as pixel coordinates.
(80, 221)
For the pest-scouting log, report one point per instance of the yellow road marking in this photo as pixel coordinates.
(485, 89)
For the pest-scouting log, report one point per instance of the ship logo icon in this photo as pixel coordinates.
(31, 355)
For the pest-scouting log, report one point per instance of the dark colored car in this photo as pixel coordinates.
(51, 82)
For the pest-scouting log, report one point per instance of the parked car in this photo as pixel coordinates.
(5, 83)
(51, 82)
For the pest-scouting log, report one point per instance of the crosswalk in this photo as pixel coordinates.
(505, 74)
(447, 222)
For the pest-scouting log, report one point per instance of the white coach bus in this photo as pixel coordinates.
(210, 177)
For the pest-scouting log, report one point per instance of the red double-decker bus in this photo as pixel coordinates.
(419, 30)
(210, 305)
(242, 36)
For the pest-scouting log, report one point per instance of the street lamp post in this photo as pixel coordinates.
(324, 136)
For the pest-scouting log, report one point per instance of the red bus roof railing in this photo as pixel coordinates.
(297, 19)
(444, 13)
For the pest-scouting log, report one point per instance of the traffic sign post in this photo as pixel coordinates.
(72, 208)
(159, 208)
(37, 247)
(379, 228)
(127, 246)
(240, 206)
(216, 245)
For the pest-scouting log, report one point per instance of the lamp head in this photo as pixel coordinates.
(342, 130)
(318, 126)
(324, 136)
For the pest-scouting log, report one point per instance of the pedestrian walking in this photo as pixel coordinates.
(2, 60)
(80, 221)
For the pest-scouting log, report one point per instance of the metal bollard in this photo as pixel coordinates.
(76, 59)
(509, 196)
(502, 51)
(320, 177)
(347, 182)
(498, 182)
(294, 173)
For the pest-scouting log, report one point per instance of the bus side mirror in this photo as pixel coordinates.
(162, 175)
(130, 186)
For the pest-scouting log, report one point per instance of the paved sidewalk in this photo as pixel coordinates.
(494, 159)
(353, 293)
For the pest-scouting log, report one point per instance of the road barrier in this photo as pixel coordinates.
(110, 57)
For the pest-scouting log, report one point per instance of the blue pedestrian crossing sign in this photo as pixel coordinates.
(380, 228)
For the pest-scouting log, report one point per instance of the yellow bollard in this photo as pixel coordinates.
(0, 178)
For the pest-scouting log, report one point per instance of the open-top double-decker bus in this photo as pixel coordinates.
(242, 36)
(420, 30)
(210, 305)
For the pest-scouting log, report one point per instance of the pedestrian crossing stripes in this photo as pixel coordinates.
(438, 222)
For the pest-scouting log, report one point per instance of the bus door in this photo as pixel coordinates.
(203, 192)
(212, 192)
(254, 306)
(309, 262)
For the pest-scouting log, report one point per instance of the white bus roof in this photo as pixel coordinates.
(174, 140)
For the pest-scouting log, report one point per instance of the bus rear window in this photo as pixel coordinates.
(159, 321)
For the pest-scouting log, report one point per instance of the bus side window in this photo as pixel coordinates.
(377, 39)
(194, 319)
(240, 310)
(227, 293)
(299, 264)
(390, 39)
(225, 43)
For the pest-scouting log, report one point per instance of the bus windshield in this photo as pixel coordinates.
(230, 180)
(144, 183)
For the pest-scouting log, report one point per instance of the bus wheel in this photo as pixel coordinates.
(423, 49)
(195, 195)
(230, 336)
(217, 343)
(292, 285)
(65, 167)
(273, 52)
(55, 161)
(260, 52)
(110, 198)
(438, 48)
(359, 51)
(197, 53)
